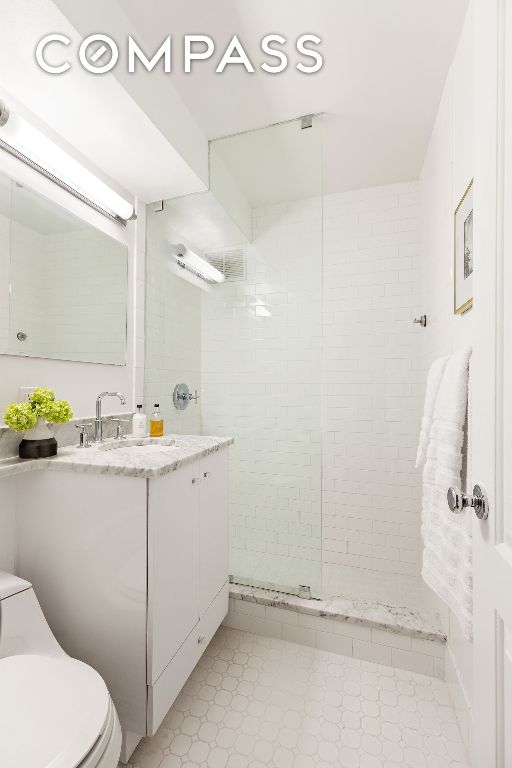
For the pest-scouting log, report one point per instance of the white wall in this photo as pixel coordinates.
(447, 170)
(81, 382)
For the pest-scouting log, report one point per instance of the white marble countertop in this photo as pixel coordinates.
(144, 461)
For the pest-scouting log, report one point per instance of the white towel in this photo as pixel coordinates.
(447, 554)
(433, 383)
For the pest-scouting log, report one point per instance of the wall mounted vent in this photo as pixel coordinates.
(231, 263)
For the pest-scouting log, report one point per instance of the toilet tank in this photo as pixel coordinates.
(23, 627)
(11, 585)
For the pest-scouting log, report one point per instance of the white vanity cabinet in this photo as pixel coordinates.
(187, 574)
(132, 575)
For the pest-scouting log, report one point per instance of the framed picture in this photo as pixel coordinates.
(463, 253)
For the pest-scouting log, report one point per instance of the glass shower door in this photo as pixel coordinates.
(261, 352)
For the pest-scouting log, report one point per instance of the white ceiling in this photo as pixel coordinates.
(385, 65)
(93, 115)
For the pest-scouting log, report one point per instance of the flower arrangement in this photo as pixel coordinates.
(41, 405)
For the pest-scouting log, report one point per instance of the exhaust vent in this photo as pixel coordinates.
(231, 263)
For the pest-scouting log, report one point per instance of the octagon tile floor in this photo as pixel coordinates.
(257, 702)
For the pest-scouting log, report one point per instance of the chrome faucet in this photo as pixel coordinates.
(98, 424)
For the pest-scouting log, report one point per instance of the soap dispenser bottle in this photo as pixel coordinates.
(139, 424)
(156, 423)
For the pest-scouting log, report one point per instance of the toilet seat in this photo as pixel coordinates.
(55, 712)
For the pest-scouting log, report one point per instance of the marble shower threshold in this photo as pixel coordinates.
(414, 622)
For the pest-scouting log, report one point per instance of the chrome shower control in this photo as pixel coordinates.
(182, 396)
(458, 501)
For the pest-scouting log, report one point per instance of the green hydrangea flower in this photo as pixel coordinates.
(20, 416)
(41, 404)
(41, 396)
(58, 412)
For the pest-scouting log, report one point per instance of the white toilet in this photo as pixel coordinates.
(55, 711)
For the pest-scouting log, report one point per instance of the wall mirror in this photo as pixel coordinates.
(63, 283)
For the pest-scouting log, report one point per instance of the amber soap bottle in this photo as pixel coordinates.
(156, 423)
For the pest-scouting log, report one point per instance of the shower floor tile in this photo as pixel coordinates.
(256, 702)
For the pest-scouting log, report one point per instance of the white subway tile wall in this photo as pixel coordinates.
(25, 276)
(172, 346)
(312, 363)
(261, 364)
(371, 394)
(83, 295)
(5, 259)
(70, 305)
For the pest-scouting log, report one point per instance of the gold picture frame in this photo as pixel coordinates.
(463, 253)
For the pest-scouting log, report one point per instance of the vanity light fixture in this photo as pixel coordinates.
(187, 259)
(29, 145)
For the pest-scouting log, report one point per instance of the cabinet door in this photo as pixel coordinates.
(173, 564)
(213, 527)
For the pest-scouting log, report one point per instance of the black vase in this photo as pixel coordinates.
(37, 449)
(38, 442)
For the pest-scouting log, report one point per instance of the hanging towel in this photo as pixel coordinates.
(433, 383)
(447, 554)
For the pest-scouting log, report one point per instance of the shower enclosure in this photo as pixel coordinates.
(262, 352)
(251, 345)
(306, 353)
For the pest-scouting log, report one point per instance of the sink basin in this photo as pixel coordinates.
(138, 442)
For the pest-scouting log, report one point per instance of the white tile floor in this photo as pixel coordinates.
(257, 702)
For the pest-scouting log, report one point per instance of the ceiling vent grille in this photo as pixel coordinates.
(231, 263)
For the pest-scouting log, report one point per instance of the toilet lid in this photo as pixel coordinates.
(52, 710)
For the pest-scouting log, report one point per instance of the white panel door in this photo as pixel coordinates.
(213, 527)
(492, 385)
(173, 564)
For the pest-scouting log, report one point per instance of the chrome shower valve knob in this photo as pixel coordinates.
(458, 501)
(182, 396)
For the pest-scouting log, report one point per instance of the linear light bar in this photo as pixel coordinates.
(198, 266)
(25, 142)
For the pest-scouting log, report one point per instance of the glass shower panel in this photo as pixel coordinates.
(261, 352)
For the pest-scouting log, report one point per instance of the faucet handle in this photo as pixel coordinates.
(83, 435)
(119, 427)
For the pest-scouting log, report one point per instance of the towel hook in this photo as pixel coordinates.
(422, 320)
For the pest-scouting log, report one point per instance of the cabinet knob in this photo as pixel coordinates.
(196, 480)
(207, 474)
(201, 640)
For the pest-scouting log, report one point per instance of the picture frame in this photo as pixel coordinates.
(463, 253)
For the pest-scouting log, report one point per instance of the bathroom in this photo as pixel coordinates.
(244, 347)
